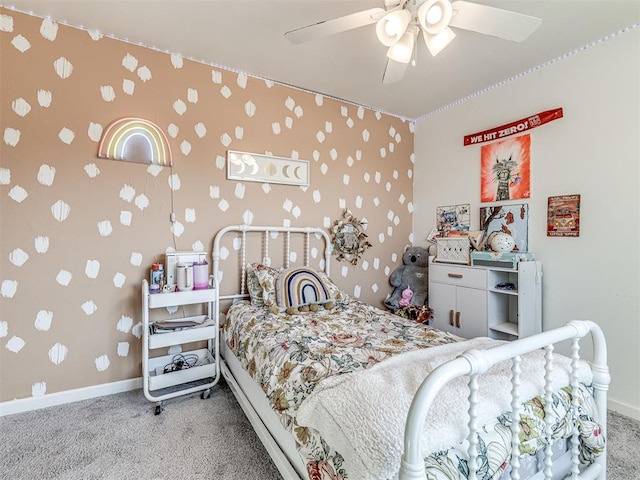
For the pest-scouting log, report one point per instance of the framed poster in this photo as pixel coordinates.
(511, 219)
(506, 170)
(563, 216)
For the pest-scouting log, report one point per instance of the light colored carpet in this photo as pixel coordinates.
(118, 437)
(623, 457)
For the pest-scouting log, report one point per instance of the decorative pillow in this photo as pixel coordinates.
(334, 291)
(253, 286)
(266, 278)
(297, 286)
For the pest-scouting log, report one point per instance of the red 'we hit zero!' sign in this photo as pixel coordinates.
(512, 128)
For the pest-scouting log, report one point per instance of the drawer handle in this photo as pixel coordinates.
(458, 319)
(455, 275)
(451, 317)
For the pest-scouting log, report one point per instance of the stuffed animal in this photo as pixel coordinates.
(412, 274)
(407, 295)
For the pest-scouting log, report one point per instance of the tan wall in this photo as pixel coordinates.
(43, 315)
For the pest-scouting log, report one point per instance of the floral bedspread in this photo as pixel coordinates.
(288, 355)
(494, 441)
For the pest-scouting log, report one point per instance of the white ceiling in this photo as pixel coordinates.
(248, 36)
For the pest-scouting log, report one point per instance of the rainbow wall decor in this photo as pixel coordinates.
(135, 140)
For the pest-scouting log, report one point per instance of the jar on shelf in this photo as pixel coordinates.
(156, 277)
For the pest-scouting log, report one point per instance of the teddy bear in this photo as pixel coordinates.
(412, 274)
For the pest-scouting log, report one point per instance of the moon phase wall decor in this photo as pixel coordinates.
(135, 140)
(254, 167)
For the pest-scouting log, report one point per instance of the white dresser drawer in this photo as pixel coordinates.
(455, 275)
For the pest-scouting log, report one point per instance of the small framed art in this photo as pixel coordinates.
(453, 219)
(510, 219)
(563, 216)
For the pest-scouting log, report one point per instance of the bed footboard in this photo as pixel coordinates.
(475, 362)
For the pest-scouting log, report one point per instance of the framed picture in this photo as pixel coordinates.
(506, 170)
(563, 216)
(453, 219)
(511, 219)
(254, 167)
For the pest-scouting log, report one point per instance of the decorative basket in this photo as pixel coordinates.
(453, 250)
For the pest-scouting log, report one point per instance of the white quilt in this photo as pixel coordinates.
(362, 415)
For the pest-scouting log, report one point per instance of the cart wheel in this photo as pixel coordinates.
(205, 394)
(158, 409)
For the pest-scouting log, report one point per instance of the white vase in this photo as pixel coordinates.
(502, 242)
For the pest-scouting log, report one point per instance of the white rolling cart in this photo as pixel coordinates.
(188, 371)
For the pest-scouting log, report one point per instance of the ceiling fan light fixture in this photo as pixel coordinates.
(434, 16)
(437, 43)
(402, 50)
(392, 27)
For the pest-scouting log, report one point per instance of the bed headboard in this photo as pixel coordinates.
(252, 244)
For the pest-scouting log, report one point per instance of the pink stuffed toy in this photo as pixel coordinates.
(407, 295)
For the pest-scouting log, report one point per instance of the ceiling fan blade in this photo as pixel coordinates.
(496, 22)
(394, 71)
(335, 25)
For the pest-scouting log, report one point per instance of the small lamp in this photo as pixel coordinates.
(502, 242)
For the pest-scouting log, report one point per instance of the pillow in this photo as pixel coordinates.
(262, 287)
(334, 291)
(298, 286)
(253, 286)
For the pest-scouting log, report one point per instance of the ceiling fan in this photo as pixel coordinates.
(401, 22)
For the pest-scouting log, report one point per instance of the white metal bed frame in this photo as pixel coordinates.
(262, 418)
(475, 362)
(471, 364)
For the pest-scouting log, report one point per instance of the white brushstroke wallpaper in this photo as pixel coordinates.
(80, 233)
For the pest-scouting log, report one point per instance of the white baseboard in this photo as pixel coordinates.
(624, 409)
(69, 396)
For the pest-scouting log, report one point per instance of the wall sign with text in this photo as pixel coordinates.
(513, 128)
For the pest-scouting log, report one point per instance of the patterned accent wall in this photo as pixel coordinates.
(79, 233)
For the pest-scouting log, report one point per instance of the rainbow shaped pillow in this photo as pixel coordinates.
(298, 286)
